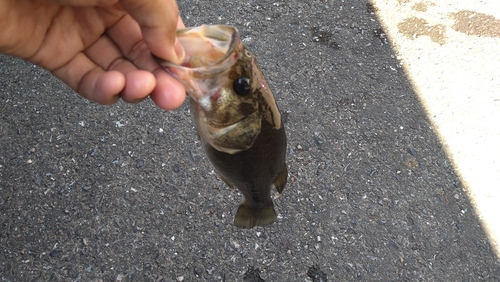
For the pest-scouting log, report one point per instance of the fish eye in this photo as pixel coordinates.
(242, 86)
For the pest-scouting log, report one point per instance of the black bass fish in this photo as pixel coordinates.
(236, 117)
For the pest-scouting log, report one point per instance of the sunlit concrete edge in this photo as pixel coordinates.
(455, 83)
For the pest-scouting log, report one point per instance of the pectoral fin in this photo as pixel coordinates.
(280, 180)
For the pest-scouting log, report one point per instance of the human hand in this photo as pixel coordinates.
(100, 48)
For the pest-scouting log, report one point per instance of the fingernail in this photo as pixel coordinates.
(179, 51)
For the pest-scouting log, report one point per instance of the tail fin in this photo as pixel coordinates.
(246, 217)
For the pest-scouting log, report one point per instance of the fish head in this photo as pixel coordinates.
(225, 86)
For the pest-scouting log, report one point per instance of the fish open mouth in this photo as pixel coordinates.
(210, 51)
(204, 45)
(207, 46)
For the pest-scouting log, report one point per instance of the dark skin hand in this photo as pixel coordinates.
(100, 48)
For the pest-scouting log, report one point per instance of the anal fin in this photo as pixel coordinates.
(280, 181)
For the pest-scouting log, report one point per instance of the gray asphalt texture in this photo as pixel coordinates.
(125, 193)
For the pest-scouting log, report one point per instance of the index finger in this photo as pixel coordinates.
(158, 20)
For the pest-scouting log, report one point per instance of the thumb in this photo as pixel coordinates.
(158, 20)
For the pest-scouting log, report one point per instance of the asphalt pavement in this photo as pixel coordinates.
(125, 193)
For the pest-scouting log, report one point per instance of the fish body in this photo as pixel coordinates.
(235, 116)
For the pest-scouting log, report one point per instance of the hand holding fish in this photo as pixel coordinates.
(100, 48)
